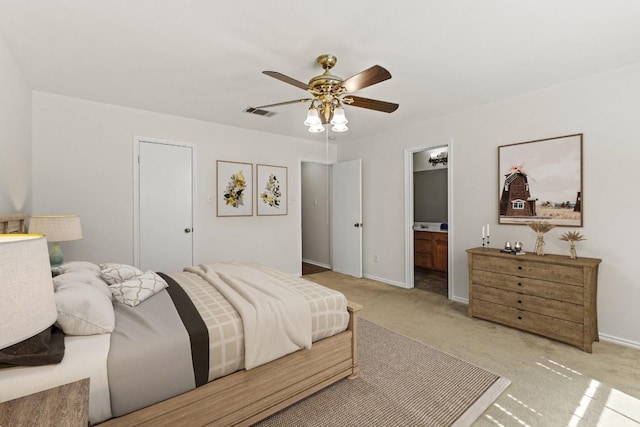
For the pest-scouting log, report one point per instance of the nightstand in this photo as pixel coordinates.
(66, 405)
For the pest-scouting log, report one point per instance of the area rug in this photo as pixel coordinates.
(402, 383)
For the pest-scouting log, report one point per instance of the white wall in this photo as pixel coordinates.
(603, 107)
(15, 136)
(82, 164)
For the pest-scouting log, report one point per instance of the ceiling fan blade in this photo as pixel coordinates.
(368, 77)
(286, 79)
(296, 101)
(372, 104)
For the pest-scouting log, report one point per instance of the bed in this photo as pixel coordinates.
(228, 395)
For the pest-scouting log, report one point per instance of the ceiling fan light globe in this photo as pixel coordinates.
(340, 128)
(313, 119)
(316, 128)
(338, 117)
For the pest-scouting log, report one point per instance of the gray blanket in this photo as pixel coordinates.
(150, 358)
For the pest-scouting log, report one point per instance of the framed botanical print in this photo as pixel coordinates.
(234, 191)
(541, 181)
(271, 190)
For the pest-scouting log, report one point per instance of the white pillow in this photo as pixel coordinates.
(83, 309)
(88, 277)
(68, 267)
(132, 292)
(117, 273)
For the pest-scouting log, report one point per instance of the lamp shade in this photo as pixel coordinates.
(57, 228)
(27, 303)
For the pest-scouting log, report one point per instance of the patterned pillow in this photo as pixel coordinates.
(116, 273)
(132, 292)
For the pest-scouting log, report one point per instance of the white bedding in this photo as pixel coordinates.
(85, 357)
(276, 319)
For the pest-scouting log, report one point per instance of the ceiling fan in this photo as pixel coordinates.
(329, 93)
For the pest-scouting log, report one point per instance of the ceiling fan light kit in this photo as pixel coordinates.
(329, 94)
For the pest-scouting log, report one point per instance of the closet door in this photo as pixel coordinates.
(346, 218)
(165, 206)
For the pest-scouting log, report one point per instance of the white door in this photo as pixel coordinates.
(346, 217)
(165, 206)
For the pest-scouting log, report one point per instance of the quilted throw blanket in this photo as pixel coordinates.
(276, 319)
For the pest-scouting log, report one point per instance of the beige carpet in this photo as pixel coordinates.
(552, 384)
(402, 383)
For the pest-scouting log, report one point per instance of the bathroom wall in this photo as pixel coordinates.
(430, 196)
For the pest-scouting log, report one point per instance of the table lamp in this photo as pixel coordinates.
(56, 228)
(27, 302)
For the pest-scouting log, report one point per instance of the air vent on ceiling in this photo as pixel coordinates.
(259, 112)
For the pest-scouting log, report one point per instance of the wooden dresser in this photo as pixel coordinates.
(550, 295)
(431, 250)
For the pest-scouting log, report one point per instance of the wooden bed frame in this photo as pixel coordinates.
(13, 223)
(246, 397)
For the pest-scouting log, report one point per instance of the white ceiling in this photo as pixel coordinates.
(203, 58)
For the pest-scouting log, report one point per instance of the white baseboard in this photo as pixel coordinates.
(316, 263)
(460, 300)
(621, 341)
(388, 282)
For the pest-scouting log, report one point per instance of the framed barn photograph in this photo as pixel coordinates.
(234, 191)
(541, 181)
(271, 190)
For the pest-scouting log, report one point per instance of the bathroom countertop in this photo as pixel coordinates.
(433, 230)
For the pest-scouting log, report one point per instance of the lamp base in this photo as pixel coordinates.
(56, 257)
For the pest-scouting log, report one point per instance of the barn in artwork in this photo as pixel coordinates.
(516, 200)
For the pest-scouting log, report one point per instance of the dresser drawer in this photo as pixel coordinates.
(533, 304)
(541, 288)
(563, 330)
(527, 268)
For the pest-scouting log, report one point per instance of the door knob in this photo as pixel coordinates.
(357, 224)
(187, 230)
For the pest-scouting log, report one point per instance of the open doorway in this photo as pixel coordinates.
(427, 203)
(315, 216)
(332, 221)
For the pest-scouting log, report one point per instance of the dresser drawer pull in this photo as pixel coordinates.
(519, 267)
(519, 317)
(519, 284)
(519, 301)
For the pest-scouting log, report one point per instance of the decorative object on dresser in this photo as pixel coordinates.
(552, 296)
(66, 405)
(540, 227)
(572, 237)
(27, 303)
(431, 250)
(57, 228)
(541, 179)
